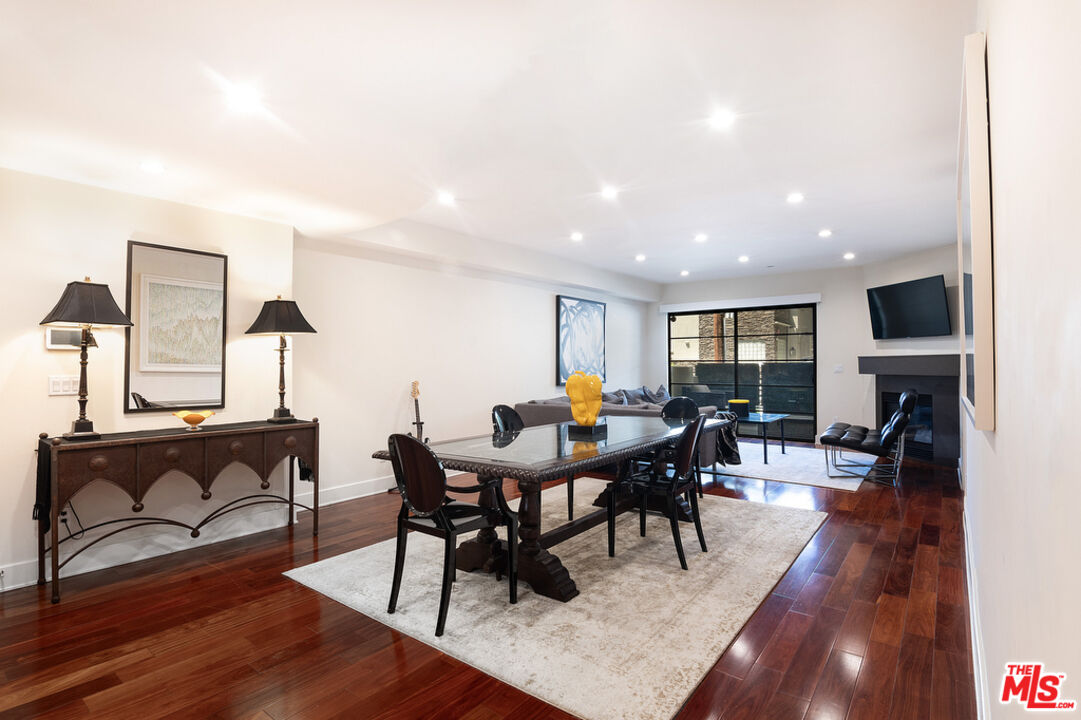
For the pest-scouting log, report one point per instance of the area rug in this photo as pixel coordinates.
(638, 638)
(800, 465)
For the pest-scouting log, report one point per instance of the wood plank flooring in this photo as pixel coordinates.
(871, 621)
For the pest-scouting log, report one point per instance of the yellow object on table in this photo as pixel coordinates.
(742, 408)
(585, 394)
(193, 418)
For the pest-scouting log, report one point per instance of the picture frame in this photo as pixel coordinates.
(201, 316)
(975, 247)
(580, 337)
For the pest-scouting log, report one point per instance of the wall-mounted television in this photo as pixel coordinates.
(916, 308)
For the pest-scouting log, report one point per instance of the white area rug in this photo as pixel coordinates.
(800, 465)
(640, 635)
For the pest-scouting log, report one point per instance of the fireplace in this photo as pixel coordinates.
(937, 433)
(920, 436)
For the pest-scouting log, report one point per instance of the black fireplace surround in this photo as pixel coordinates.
(935, 378)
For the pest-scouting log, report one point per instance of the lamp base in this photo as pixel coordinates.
(282, 415)
(82, 430)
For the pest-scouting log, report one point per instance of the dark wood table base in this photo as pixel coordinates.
(537, 566)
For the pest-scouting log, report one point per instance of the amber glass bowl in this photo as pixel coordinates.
(193, 418)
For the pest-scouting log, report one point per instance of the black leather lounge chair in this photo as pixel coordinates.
(888, 443)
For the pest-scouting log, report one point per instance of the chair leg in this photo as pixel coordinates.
(675, 531)
(698, 479)
(512, 543)
(399, 563)
(698, 522)
(642, 502)
(570, 497)
(448, 581)
(612, 521)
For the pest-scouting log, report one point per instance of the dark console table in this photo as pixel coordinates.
(134, 461)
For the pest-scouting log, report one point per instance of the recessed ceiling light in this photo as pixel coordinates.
(743, 258)
(701, 238)
(794, 198)
(850, 256)
(609, 192)
(445, 198)
(684, 273)
(242, 98)
(722, 119)
(825, 233)
(640, 257)
(577, 236)
(152, 166)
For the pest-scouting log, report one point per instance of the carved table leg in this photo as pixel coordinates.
(537, 566)
(484, 550)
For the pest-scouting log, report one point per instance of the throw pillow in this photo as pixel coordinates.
(614, 398)
(661, 396)
(637, 396)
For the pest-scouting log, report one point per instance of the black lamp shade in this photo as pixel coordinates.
(87, 303)
(279, 317)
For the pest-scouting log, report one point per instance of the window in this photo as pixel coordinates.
(765, 355)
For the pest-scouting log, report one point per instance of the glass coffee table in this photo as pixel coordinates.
(764, 420)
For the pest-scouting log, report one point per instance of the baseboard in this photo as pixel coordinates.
(348, 491)
(145, 543)
(979, 662)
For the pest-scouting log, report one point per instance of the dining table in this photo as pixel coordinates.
(544, 453)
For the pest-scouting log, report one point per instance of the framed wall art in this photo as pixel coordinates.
(975, 249)
(579, 338)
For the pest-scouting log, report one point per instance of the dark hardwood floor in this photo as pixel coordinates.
(871, 621)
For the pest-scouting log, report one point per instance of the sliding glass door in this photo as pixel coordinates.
(764, 355)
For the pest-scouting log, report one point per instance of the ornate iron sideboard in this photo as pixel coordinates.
(134, 461)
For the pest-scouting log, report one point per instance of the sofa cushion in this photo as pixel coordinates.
(614, 398)
(636, 396)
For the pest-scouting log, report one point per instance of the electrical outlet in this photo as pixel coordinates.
(63, 384)
(838, 369)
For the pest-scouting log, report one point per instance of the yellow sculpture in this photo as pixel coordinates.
(585, 394)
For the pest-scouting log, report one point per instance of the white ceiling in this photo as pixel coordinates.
(523, 110)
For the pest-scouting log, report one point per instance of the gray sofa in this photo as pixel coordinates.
(558, 409)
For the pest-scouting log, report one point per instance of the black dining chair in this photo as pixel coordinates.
(683, 408)
(506, 419)
(663, 480)
(426, 508)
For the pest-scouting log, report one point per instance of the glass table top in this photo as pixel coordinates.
(546, 446)
(757, 417)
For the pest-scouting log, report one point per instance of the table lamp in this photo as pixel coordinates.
(85, 305)
(280, 317)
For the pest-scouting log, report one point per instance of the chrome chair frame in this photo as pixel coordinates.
(884, 473)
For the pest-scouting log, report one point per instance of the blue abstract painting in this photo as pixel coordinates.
(579, 338)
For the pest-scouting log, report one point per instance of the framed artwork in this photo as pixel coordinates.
(181, 323)
(579, 337)
(975, 256)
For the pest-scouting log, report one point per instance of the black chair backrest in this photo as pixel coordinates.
(893, 429)
(506, 419)
(421, 479)
(687, 447)
(908, 401)
(681, 407)
(140, 401)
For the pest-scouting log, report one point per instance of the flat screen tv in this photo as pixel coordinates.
(916, 308)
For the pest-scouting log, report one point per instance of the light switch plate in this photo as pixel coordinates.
(63, 384)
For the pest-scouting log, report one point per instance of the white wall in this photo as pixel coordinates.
(1023, 488)
(844, 324)
(475, 333)
(53, 232)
